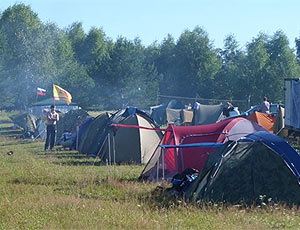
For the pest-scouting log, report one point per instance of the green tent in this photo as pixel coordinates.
(244, 172)
(93, 137)
(27, 122)
(121, 144)
(69, 121)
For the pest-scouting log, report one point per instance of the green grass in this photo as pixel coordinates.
(65, 190)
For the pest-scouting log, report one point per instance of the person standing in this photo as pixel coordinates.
(52, 118)
(265, 106)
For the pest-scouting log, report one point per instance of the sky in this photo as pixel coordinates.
(153, 20)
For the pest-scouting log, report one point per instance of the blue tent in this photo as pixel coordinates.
(260, 164)
(281, 147)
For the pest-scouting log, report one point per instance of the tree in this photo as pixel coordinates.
(28, 56)
(128, 78)
(197, 63)
(69, 73)
(228, 78)
(253, 81)
(77, 36)
(165, 63)
(283, 64)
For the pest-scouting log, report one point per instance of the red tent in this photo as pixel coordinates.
(166, 162)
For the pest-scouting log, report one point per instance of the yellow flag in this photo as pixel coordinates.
(59, 94)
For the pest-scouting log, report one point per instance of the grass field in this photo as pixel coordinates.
(65, 190)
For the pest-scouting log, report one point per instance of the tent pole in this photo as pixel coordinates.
(114, 152)
(109, 153)
(39, 134)
(157, 170)
(163, 164)
(77, 137)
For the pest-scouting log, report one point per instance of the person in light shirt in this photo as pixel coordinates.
(52, 119)
(265, 106)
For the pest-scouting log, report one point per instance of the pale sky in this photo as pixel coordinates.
(152, 20)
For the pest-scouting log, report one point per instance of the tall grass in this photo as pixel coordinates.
(65, 190)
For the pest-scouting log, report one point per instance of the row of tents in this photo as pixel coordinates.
(260, 167)
(236, 158)
(176, 113)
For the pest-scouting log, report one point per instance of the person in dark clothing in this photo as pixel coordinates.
(227, 108)
(52, 118)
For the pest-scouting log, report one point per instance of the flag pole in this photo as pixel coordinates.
(53, 94)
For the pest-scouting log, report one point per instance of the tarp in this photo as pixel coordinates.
(174, 104)
(279, 122)
(158, 114)
(207, 114)
(263, 119)
(187, 116)
(259, 164)
(295, 105)
(168, 162)
(173, 116)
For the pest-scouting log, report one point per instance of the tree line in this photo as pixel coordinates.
(105, 74)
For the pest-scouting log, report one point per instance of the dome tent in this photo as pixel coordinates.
(130, 145)
(69, 121)
(259, 164)
(165, 162)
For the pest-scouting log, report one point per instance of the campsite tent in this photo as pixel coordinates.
(69, 121)
(27, 122)
(158, 114)
(38, 107)
(242, 171)
(92, 139)
(166, 162)
(207, 114)
(31, 126)
(121, 144)
(263, 119)
(83, 127)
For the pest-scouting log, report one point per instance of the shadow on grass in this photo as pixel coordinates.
(5, 122)
(78, 163)
(10, 133)
(65, 158)
(19, 142)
